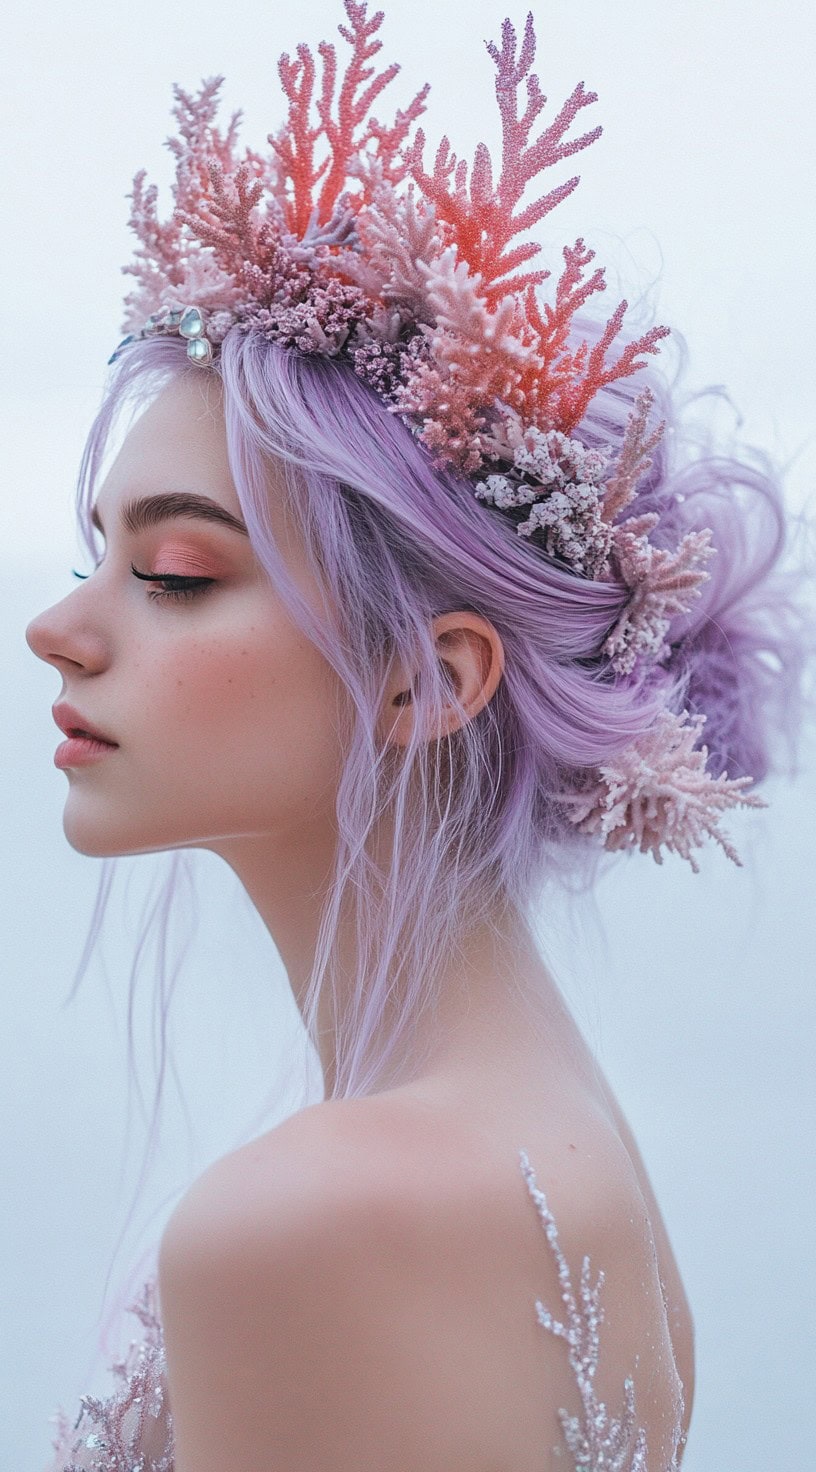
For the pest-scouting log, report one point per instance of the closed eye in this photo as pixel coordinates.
(172, 585)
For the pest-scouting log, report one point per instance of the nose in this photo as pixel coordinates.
(36, 635)
(60, 637)
(46, 633)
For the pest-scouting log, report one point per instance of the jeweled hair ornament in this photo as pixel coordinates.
(418, 279)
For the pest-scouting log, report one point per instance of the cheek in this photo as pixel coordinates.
(252, 713)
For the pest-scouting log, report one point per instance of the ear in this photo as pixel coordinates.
(473, 654)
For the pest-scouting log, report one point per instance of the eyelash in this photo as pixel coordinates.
(183, 587)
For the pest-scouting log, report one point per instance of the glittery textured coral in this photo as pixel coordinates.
(339, 240)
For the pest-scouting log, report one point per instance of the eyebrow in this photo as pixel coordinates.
(146, 511)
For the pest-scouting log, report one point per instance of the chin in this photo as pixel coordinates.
(107, 840)
(100, 836)
(94, 843)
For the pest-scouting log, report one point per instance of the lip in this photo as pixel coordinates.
(73, 724)
(78, 751)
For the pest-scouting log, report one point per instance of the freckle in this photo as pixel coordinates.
(572, 1147)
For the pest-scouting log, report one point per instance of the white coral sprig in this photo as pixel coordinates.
(550, 460)
(563, 480)
(575, 501)
(657, 793)
(571, 522)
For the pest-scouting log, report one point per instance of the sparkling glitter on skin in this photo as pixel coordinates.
(598, 1441)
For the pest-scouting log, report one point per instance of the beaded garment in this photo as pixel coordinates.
(113, 1434)
(339, 241)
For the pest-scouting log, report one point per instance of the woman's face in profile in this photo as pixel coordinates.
(224, 714)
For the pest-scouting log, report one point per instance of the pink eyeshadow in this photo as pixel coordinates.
(184, 560)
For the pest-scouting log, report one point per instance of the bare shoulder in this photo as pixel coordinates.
(320, 1161)
(389, 1165)
(298, 1307)
(367, 1258)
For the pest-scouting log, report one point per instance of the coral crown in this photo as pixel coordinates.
(425, 290)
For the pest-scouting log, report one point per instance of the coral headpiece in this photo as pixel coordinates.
(419, 280)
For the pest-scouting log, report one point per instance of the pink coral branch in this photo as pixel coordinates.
(200, 140)
(224, 221)
(657, 793)
(520, 162)
(483, 218)
(663, 584)
(634, 458)
(160, 258)
(157, 255)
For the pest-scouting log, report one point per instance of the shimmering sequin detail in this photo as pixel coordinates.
(131, 1430)
(597, 1440)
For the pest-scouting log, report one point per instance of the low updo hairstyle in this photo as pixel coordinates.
(393, 541)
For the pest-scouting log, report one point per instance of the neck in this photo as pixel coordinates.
(492, 995)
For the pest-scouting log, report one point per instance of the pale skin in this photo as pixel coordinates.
(224, 715)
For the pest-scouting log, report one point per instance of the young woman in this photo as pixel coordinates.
(408, 607)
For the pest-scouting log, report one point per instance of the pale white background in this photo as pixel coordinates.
(696, 991)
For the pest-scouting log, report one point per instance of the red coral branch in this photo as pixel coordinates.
(339, 131)
(295, 142)
(390, 140)
(571, 292)
(573, 398)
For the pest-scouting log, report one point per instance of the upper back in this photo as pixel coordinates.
(498, 1240)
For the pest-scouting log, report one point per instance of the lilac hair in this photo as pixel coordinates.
(394, 541)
